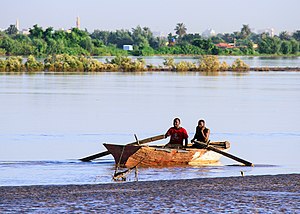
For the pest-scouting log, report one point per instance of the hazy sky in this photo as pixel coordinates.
(159, 15)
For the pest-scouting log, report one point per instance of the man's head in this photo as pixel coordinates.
(176, 122)
(201, 123)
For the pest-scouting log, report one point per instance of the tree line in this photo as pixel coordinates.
(43, 42)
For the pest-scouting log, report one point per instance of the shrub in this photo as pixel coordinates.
(169, 63)
(185, 66)
(33, 65)
(239, 65)
(209, 63)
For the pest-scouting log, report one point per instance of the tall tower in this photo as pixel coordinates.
(78, 22)
(17, 24)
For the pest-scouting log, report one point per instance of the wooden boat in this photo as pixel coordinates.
(158, 156)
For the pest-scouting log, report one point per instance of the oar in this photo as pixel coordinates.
(247, 163)
(101, 154)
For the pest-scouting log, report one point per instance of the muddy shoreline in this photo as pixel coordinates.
(252, 194)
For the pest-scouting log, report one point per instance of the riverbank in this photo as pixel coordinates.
(252, 194)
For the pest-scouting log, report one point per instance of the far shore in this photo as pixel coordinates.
(251, 194)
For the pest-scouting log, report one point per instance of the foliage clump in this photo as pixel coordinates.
(128, 64)
(12, 64)
(239, 65)
(33, 65)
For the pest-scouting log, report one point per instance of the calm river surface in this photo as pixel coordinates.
(48, 121)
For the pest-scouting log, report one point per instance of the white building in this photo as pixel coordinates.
(208, 33)
(25, 32)
(270, 31)
(127, 47)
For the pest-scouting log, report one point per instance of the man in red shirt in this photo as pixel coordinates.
(178, 134)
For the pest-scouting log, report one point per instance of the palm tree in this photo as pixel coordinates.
(180, 29)
(245, 31)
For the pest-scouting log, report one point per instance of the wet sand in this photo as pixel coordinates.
(249, 194)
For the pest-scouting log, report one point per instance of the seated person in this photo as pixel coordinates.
(202, 133)
(177, 135)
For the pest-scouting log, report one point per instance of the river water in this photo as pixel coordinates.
(49, 121)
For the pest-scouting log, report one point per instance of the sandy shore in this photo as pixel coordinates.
(249, 194)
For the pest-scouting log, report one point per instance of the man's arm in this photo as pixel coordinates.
(206, 134)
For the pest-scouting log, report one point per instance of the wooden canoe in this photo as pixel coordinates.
(158, 156)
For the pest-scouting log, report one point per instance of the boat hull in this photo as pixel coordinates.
(157, 156)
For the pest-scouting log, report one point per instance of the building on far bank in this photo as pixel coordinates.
(127, 47)
(18, 25)
(270, 31)
(224, 45)
(78, 22)
(208, 33)
(24, 32)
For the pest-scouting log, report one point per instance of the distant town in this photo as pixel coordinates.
(141, 41)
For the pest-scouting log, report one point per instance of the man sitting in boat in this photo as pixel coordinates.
(202, 134)
(177, 135)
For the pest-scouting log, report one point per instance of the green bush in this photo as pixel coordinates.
(33, 65)
(209, 63)
(239, 65)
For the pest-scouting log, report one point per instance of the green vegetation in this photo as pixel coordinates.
(43, 42)
(70, 63)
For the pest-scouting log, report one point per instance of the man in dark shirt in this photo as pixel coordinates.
(202, 133)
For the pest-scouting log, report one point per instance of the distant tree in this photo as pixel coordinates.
(87, 44)
(190, 37)
(147, 33)
(60, 35)
(171, 37)
(296, 35)
(36, 32)
(286, 47)
(204, 44)
(22, 38)
(41, 46)
(236, 35)
(285, 36)
(227, 37)
(101, 35)
(180, 30)
(216, 39)
(11, 30)
(157, 42)
(254, 37)
(269, 45)
(295, 46)
(120, 38)
(9, 45)
(141, 36)
(245, 31)
(48, 33)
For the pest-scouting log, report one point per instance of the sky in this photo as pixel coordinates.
(224, 16)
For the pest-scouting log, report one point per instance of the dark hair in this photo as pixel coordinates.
(201, 121)
(176, 119)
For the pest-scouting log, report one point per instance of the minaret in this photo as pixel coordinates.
(18, 25)
(78, 22)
